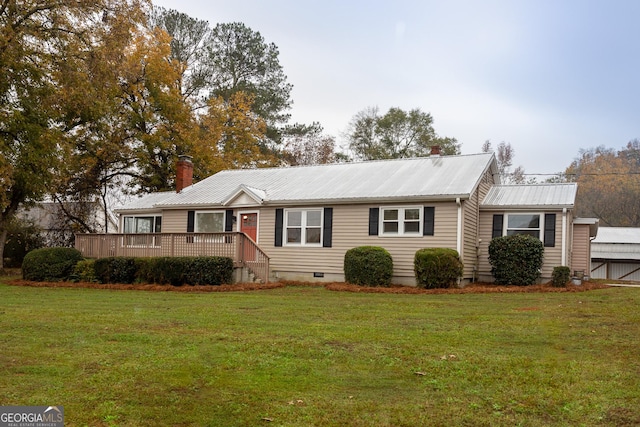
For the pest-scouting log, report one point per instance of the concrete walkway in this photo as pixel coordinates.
(622, 285)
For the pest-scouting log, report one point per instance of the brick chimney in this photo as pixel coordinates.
(184, 173)
(435, 150)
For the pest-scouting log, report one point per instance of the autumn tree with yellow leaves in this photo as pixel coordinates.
(41, 112)
(608, 184)
(229, 137)
(97, 100)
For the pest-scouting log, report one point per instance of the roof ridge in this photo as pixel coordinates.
(359, 162)
(536, 184)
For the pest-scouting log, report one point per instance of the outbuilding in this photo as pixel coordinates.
(615, 253)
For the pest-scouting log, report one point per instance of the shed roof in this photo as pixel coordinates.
(616, 243)
(435, 177)
(531, 196)
(628, 235)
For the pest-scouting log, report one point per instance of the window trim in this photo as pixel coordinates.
(303, 227)
(153, 226)
(129, 238)
(401, 222)
(205, 236)
(540, 228)
(195, 220)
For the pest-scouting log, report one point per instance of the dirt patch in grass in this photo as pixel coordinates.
(472, 288)
(337, 286)
(623, 417)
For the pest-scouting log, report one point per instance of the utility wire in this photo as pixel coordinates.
(581, 174)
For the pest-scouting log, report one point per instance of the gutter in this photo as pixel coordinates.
(523, 208)
(315, 202)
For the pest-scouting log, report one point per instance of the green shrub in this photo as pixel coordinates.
(209, 271)
(437, 267)
(368, 265)
(516, 259)
(168, 270)
(84, 271)
(185, 270)
(561, 276)
(115, 269)
(50, 264)
(144, 270)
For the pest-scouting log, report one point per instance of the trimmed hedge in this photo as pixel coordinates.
(561, 276)
(160, 270)
(209, 271)
(174, 271)
(115, 269)
(516, 259)
(185, 270)
(85, 271)
(368, 265)
(437, 268)
(50, 264)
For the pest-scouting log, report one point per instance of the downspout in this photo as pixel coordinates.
(564, 237)
(459, 238)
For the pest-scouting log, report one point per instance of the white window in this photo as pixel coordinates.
(303, 227)
(209, 222)
(142, 224)
(401, 221)
(532, 224)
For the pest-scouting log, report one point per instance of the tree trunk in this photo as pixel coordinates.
(5, 218)
(3, 240)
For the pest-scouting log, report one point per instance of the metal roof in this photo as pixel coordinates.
(617, 243)
(425, 178)
(147, 201)
(531, 196)
(629, 235)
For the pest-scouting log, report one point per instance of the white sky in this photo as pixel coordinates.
(548, 76)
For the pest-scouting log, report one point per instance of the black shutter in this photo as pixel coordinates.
(279, 227)
(428, 222)
(549, 230)
(327, 228)
(374, 216)
(191, 221)
(228, 220)
(498, 221)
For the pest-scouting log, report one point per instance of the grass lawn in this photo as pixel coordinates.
(306, 356)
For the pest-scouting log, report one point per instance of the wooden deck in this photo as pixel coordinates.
(235, 245)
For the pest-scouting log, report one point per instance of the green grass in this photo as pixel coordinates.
(305, 356)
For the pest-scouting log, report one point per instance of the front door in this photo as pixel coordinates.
(249, 226)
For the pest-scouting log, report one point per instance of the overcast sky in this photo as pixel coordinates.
(548, 76)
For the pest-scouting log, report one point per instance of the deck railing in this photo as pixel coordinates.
(235, 245)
